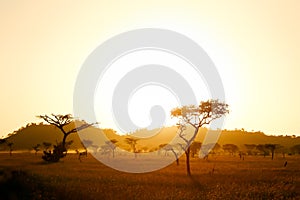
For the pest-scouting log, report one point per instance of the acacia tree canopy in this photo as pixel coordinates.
(197, 116)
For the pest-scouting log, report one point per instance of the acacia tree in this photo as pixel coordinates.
(262, 148)
(197, 117)
(250, 148)
(132, 142)
(195, 147)
(170, 147)
(296, 149)
(61, 122)
(112, 145)
(272, 148)
(230, 148)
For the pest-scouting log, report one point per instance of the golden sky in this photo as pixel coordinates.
(254, 44)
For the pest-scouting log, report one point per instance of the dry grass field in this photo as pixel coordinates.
(26, 176)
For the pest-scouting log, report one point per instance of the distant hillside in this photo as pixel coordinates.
(31, 135)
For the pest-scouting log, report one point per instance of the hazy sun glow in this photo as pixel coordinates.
(148, 95)
(254, 45)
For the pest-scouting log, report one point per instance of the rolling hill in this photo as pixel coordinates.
(27, 137)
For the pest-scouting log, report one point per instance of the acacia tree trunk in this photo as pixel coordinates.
(176, 156)
(272, 154)
(188, 169)
(64, 141)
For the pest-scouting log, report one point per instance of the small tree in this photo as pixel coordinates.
(112, 145)
(61, 122)
(195, 148)
(272, 148)
(262, 148)
(216, 149)
(36, 148)
(132, 142)
(296, 149)
(230, 148)
(172, 148)
(10, 145)
(250, 148)
(197, 117)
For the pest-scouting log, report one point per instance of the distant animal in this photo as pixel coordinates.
(285, 164)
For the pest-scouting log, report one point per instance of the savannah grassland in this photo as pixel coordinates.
(220, 177)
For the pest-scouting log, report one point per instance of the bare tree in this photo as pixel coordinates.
(132, 142)
(197, 117)
(61, 122)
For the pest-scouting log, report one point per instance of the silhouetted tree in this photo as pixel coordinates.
(250, 148)
(216, 148)
(296, 149)
(281, 149)
(132, 142)
(272, 148)
(195, 148)
(197, 117)
(61, 121)
(36, 148)
(2, 141)
(172, 148)
(112, 146)
(10, 145)
(262, 148)
(230, 148)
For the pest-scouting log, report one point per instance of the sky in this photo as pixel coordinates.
(255, 46)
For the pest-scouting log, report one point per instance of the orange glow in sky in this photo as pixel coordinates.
(255, 46)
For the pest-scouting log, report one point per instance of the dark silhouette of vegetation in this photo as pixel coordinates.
(81, 153)
(132, 142)
(10, 146)
(195, 148)
(230, 148)
(36, 148)
(61, 121)
(295, 149)
(2, 141)
(109, 147)
(46, 146)
(112, 146)
(262, 148)
(197, 117)
(59, 151)
(169, 147)
(216, 149)
(250, 148)
(272, 148)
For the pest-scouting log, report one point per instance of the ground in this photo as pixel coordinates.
(26, 176)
